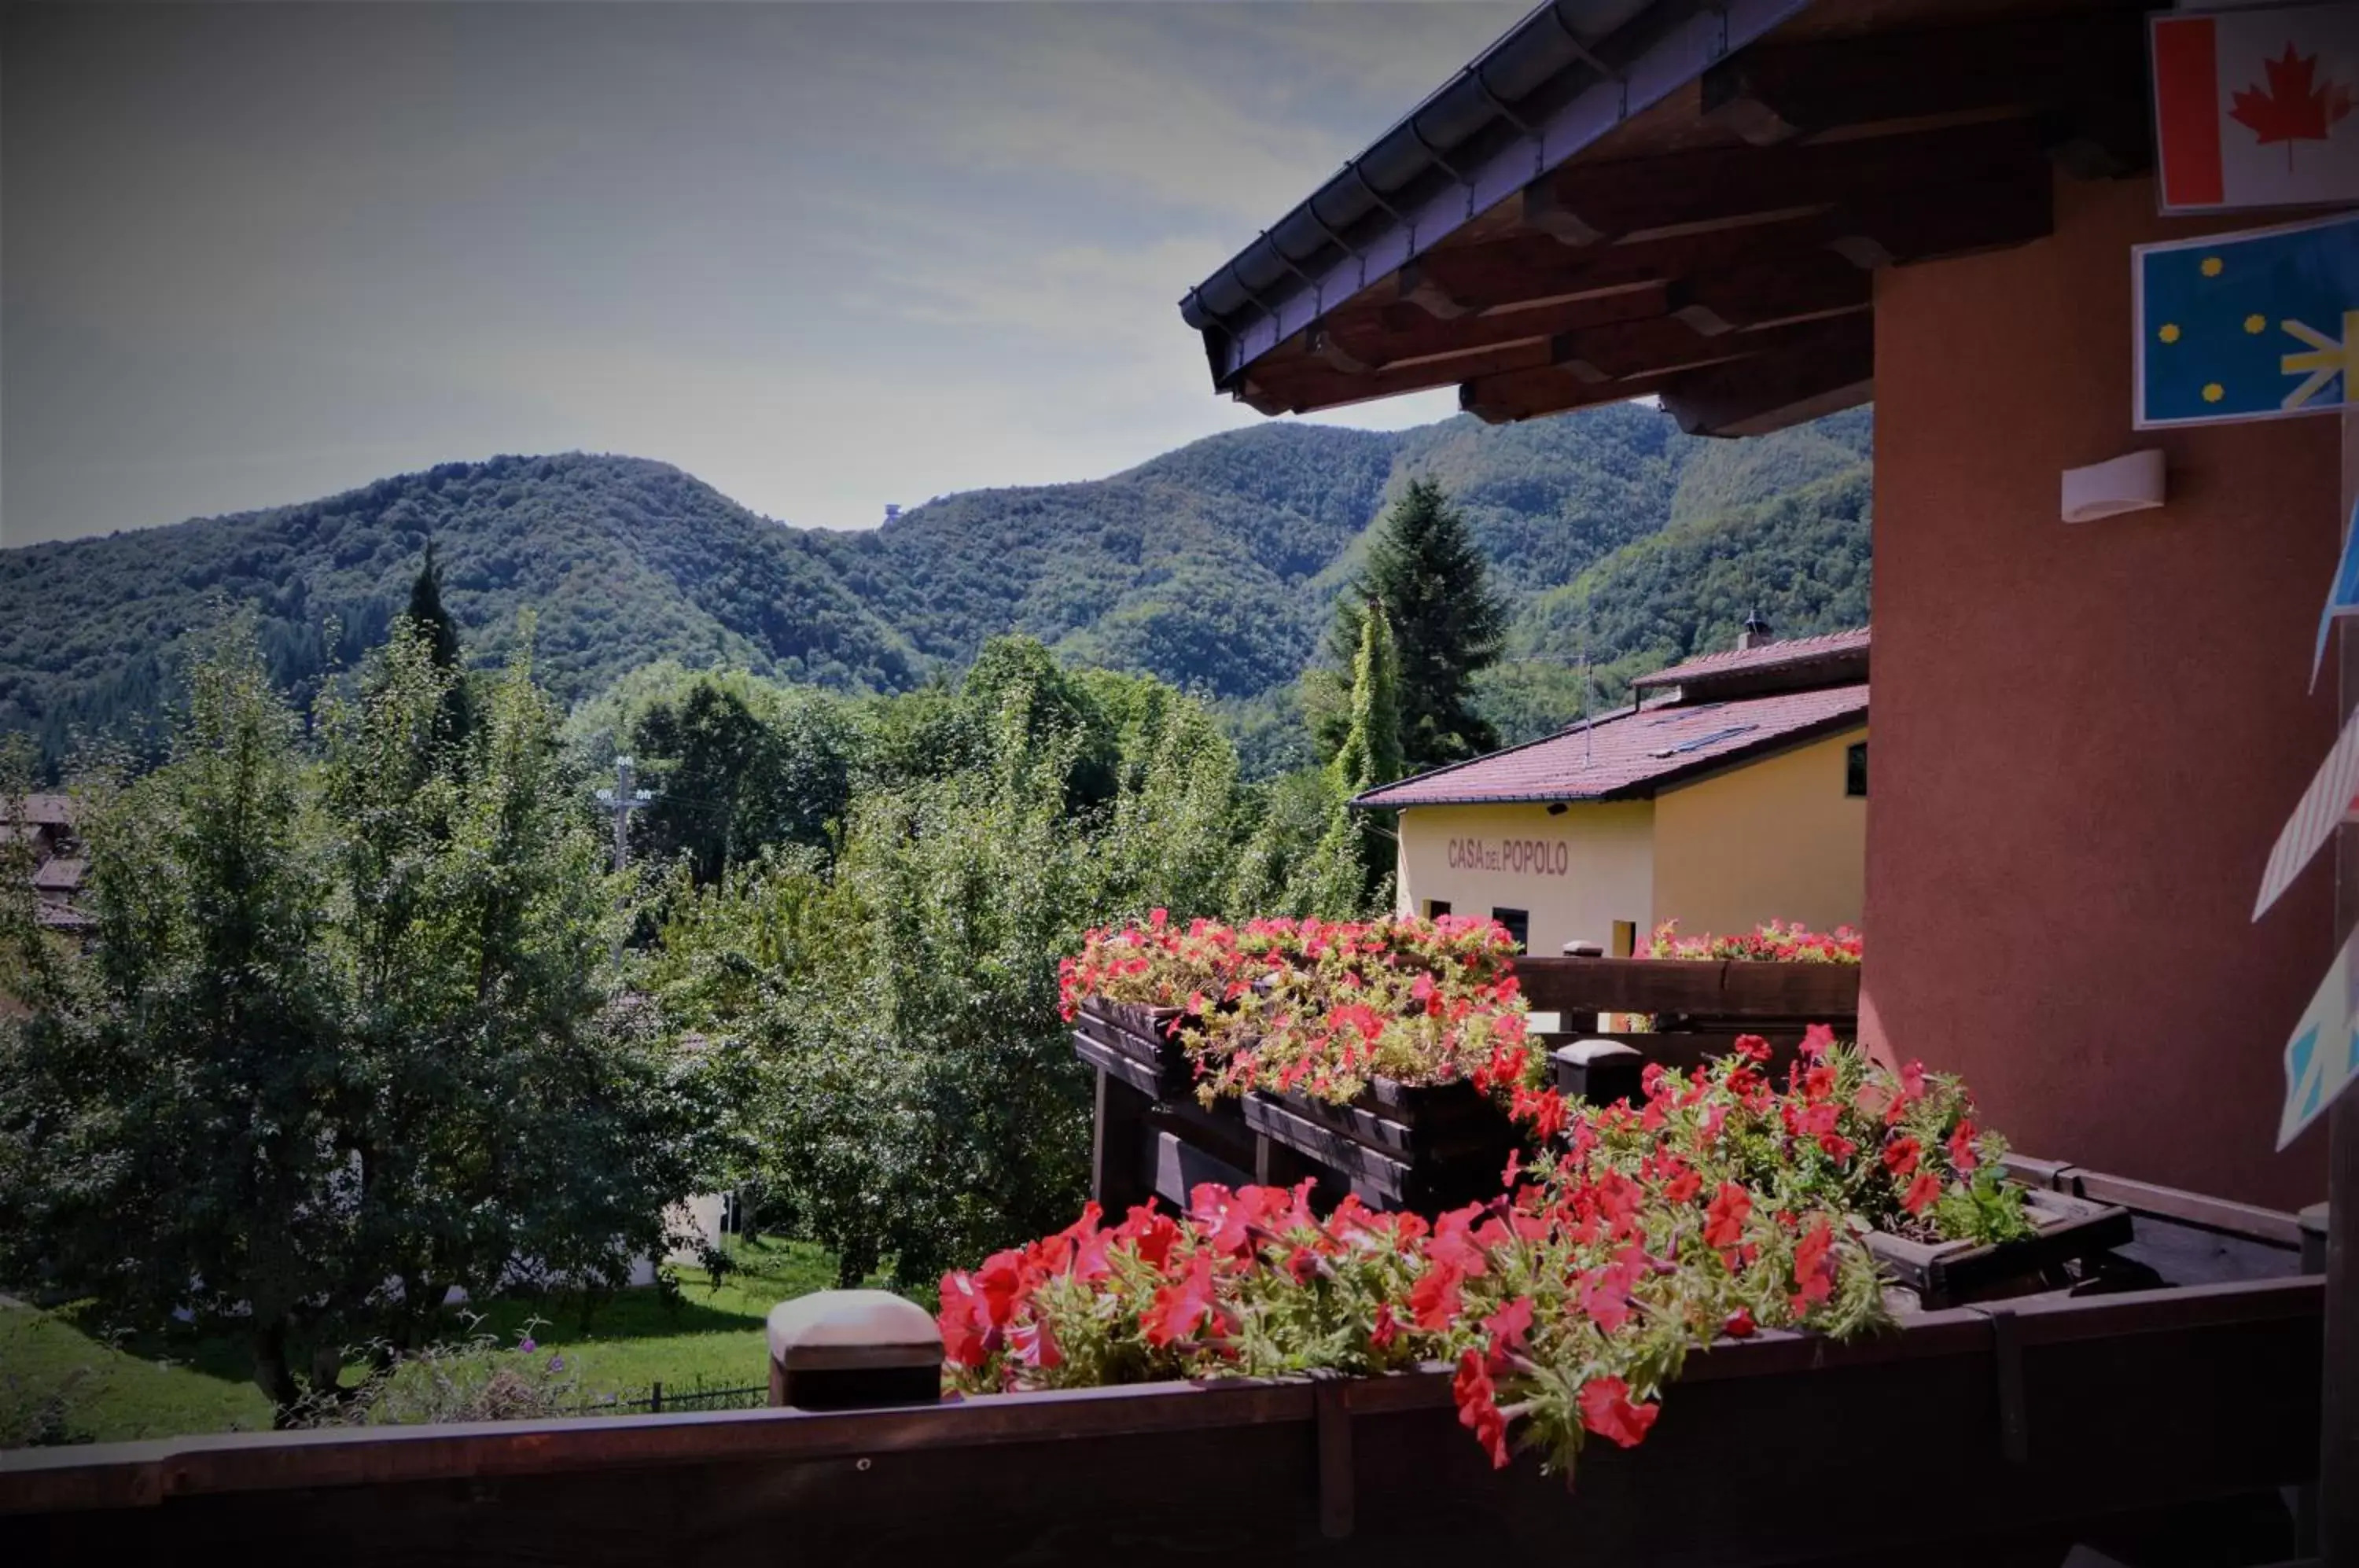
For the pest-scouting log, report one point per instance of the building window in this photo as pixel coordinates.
(1856, 771)
(1436, 907)
(1519, 926)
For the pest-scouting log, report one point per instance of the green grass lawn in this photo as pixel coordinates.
(111, 1386)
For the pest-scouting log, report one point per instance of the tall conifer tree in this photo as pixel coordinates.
(1370, 755)
(434, 624)
(1447, 627)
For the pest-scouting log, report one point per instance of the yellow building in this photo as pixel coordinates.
(1733, 792)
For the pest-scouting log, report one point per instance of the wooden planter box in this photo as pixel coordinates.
(1426, 1149)
(1130, 1043)
(1952, 1273)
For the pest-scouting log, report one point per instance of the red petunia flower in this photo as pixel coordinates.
(1608, 1410)
(1181, 1306)
(1434, 1301)
(1509, 1324)
(1545, 1111)
(963, 1330)
(1813, 1269)
(1962, 1145)
(1723, 1220)
(1900, 1155)
(1455, 1244)
(1817, 1040)
(1922, 1192)
(1740, 1324)
(1000, 1281)
(1151, 1232)
(1478, 1407)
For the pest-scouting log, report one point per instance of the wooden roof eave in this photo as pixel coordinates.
(1729, 269)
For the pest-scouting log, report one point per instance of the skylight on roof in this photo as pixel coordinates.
(1714, 738)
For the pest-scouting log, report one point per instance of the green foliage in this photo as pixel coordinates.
(894, 996)
(1425, 570)
(433, 624)
(1214, 568)
(1370, 756)
(345, 1022)
(1371, 751)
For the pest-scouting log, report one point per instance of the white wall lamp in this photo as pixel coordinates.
(2131, 484)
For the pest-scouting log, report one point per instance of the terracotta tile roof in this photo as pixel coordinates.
(1628, 754)
(62, 917)
(42, 811)
(1750, 660)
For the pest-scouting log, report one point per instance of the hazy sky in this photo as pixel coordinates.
(822, 256)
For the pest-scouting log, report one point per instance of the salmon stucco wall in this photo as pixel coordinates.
(1777, 839)
(1575, 873)
(2088, 735)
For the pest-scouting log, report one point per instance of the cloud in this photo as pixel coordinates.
(826, 256)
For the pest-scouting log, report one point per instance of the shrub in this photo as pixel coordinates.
(1773, 942)
(473, 1379)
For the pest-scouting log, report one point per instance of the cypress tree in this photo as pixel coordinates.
(1370, 755)
(433, 621)
(456, 715)
(1447, 627)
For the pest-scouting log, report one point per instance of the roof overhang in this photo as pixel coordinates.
(1621, 198)
(1646, 788)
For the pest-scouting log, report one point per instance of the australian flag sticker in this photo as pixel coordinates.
(2251, 326)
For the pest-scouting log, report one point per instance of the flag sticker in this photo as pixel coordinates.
(2253, 107)
(2258, 325)
(2313, 821)
(2343, 599)
(2322, 1057)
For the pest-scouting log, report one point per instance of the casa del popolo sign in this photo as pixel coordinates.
(2253, 107)
(1517, 856)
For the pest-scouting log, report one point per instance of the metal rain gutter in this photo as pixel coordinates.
(1551, 85)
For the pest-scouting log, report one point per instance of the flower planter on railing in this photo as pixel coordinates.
(1424, 1147)
(1952, 1273)
(1134, 1044)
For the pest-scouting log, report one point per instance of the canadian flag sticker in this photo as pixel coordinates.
(2253, 107)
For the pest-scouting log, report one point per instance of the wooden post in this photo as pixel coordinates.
(1118, 1138)
(2338, 1451)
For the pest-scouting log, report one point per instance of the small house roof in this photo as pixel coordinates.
(61, 874)
(1826, 660)
(41, 810)
(1631, 753)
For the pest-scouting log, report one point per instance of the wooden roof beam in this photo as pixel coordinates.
(1397, 333)
(1603, 339)
(1832, 368)
(2066, 69)
(1720, 187)
(1574, 378)
(1976, 207)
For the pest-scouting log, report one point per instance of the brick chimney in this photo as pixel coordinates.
(1756, 632)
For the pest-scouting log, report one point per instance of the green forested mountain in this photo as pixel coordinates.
(1214, 566)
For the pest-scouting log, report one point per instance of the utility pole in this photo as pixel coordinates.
(622, 801)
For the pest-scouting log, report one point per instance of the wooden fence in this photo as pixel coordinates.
(1973, 1436)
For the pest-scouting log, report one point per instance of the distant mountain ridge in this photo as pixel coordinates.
(1214, 565)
